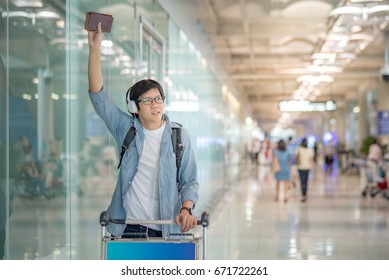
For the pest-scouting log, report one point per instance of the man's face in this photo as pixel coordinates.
(151, 113)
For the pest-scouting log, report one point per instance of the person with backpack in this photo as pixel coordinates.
(158, 175)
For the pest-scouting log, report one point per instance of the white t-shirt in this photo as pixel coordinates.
(142, 200)
(374, 152)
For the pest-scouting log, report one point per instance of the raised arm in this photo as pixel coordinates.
(95, 75)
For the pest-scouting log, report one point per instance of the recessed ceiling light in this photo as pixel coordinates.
(356, 28)
(364, 1)
(47, 14)
(28, 3)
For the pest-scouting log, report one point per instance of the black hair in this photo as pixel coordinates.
(304, 143)
(281, 145)
(140, 87)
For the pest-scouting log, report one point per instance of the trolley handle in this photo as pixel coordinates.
(105, 219)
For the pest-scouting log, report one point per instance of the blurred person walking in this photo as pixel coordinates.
(374, 158)
(304, 161)
(282, 175)
(292, 148)
(255, 149)
(329, 155)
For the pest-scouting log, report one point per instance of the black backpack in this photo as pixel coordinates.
(177, 147)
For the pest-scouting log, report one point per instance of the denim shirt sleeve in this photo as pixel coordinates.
(118, 123)
(188, 171)
(110, 113)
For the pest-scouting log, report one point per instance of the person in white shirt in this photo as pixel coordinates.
(374, 158)
(304, 161)
(375, 152)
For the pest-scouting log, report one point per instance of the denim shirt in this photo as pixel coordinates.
(118, 123)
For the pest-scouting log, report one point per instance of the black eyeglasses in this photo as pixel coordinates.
(149, 100)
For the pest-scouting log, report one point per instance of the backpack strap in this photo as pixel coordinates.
(129, 136)
(178, 149)
(176, 142)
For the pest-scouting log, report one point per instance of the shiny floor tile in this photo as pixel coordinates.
(336, 222)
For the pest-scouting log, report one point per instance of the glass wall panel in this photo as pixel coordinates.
(195, 99)
(152, 51)
(93, 149)
(35, 83)
(5, 170)
(130, 52)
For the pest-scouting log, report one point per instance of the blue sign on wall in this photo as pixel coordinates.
(151, 251)
(383, 122)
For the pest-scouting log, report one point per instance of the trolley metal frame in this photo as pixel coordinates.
(192, 245)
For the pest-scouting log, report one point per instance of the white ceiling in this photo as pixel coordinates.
(263, 46)
(259, 48)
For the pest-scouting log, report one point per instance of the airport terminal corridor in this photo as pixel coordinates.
(239, 76)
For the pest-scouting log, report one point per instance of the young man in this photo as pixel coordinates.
(146, 188)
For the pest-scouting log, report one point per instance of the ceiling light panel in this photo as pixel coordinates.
(28, 3)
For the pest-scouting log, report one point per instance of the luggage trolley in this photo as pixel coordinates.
(376, 179)
(177, 246)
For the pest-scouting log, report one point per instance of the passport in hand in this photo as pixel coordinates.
(92, 20)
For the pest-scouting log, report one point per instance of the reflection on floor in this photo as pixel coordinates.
(334, 223)
(246, 223)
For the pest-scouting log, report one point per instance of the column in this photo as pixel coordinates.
(383, 105)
